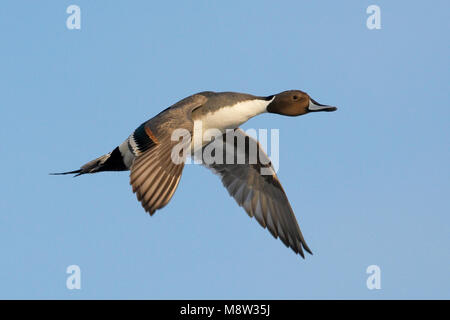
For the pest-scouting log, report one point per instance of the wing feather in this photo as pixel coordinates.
(154, 175)
(261, 196)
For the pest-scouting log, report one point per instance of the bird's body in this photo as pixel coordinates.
(156, 151)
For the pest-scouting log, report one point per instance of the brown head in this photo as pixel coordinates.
(295, 103)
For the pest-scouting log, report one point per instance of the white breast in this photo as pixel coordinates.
(235, 115)
(228, 117)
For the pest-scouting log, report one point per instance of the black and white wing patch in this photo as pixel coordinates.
(262, 196)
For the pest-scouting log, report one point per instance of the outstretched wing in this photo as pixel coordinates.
(261, 195)
(156, 171)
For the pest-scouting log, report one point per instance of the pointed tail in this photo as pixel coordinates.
(78, 172)
(112, 161)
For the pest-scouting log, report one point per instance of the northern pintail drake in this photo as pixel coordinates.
(156, 159)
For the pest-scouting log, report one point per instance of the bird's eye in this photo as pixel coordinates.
(295, 97)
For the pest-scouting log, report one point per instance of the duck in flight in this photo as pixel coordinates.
(154, 177)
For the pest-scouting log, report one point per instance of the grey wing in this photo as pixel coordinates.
(261, 195)
(156, 172)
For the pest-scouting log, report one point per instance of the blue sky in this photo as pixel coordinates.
(369, 184)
